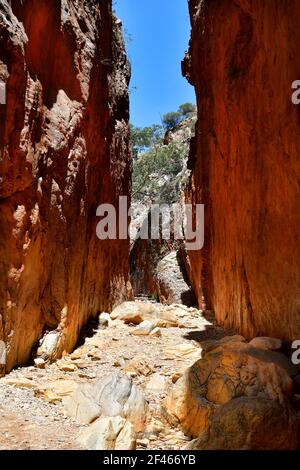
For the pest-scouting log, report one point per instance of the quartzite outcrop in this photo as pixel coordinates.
(63, 151)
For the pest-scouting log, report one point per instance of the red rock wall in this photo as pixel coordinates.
(243, 58)
(63, 151)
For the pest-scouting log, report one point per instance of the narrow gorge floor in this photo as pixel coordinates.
(31, 408)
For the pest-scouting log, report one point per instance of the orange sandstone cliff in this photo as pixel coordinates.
(63, 151)
(245, 161)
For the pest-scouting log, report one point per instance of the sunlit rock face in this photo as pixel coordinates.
(63, 151)
(243, 58)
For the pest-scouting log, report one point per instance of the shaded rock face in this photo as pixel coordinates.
(63, 151)
(158, 271)
(172, 282)
(250, 424)
(245, 162)
(144, 258)
(158, 268)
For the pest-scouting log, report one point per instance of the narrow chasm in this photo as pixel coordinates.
(149, 255)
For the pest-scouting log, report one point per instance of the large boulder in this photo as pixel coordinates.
(114, 433)
(261, 342)
(250, 423)
(116, 395)
(230, 370)
(138, 312)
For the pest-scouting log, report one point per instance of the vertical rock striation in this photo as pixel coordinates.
(63, 151)
(243, 58)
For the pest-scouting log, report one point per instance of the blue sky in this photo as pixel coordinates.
(160, 31)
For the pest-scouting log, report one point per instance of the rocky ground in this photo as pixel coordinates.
(152, 376)
(32, 412)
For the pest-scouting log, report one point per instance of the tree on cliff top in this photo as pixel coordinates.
(159, 161)
(171, 120)
(187, 109)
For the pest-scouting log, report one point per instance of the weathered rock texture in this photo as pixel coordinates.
(158, 269)
(115, 395)
(250, 424)
(243, 59)
(237, 397)
(64, 150)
